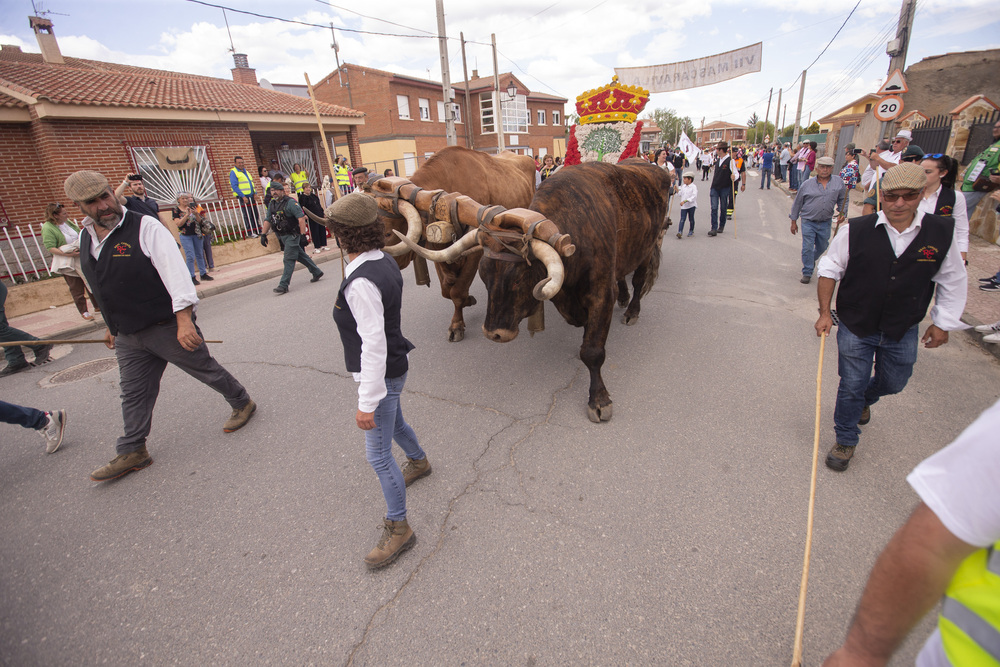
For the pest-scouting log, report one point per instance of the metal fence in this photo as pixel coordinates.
(933, 134)
(23, 257)
(980, 136)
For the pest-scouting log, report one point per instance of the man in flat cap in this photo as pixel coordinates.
(285, 216)
(141, 282)
(815, 202)
(367, 314)
(889, 264)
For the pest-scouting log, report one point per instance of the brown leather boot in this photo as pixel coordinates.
(396, 538)
(123, 464)
(414, 469)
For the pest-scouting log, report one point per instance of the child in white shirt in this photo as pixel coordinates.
(688, 194)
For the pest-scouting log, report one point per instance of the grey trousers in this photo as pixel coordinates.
(142, 358)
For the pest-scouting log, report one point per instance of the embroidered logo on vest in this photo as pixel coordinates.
(122, 249)
(945, 210)
(927, 254)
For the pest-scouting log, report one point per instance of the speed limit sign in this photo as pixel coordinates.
(888, 108)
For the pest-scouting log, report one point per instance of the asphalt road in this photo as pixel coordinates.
(672, 535)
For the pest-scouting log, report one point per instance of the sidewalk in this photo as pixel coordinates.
(984, 260)
(65, 321)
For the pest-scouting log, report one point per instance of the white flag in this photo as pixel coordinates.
(687, 147)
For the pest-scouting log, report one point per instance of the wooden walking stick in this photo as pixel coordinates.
(801, 618)
(35, 343)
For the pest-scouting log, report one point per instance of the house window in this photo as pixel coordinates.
(409, 164)
(441, 116)
(458, 113)
(515, 114)
(868, 107)
(555, 117)
(403, 106)
(486, 115)
(167, 170)
(541, 116)
(425, 108)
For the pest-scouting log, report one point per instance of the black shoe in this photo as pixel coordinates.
(839, 458)
(316, 278)
(195, 280)
(991, 279)
(866, 416)
(42, 355)
(721, 230)
(280, 290)
(205, 276)
(713, 233)
(990, 287)
(10, 370)
(805, 280)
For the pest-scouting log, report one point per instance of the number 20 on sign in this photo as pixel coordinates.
(888, 108)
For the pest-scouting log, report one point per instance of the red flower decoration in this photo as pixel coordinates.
(572, 148)
(632, 148)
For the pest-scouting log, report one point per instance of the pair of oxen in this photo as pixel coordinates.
(573, 242)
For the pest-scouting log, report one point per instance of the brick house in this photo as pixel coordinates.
(405, 115)
(59, 114)
(717, 131)
(650, 137)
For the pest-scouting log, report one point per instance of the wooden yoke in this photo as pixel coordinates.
(458, 209)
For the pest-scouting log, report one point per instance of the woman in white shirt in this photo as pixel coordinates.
(940, 197)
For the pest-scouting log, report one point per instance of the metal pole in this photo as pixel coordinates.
(777, 118)
(798, 111)
(468, 114)
(771, 92)
(497, 110)
(449, 114)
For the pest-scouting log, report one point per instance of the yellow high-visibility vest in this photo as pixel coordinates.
(299, 178)
(343, 175)
(245, 185)
(970, 616)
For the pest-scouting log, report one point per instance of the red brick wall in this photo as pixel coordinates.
(25, 187)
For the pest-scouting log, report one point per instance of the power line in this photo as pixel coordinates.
(373, 18)
(526, 74)
(834, 35)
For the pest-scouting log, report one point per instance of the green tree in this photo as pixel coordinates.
(812, 129)
(752, 128)
(671, 125)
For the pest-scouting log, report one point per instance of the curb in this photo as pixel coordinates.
(977, 338)
(266, 275)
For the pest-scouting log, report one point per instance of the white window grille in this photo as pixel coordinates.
(304, 157)
(515, 114)
(487, 117)
(425, 108)
(403, 106)
(541, 117)
(555, 117)
(168, 170)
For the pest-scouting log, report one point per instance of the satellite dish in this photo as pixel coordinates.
(264, 83)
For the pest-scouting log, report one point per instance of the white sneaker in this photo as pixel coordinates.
(317, 251)
(53, 430)
(992, 338)
(989, 328)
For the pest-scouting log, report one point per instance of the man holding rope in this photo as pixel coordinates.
(889, 266)
(141, 282)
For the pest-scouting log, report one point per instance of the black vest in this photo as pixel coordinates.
(124, 280)
(386, 276)
(723, 178)
(946, 203)
(880, 292)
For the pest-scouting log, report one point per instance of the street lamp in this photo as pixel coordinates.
(511, 90)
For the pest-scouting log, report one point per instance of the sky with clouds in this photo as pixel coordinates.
(563, 47)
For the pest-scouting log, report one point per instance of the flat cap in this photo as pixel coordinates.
(688, 174)
(360, 170)
(276, 185)
(905, 176)
(84, 185)
(356, 210)
(825, 161)
(912, 152)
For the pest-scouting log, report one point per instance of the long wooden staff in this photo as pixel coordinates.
(801, 618)
(35, 343)
(329, 157)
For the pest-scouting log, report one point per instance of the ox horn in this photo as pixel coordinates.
(449, 254)
(315, 218)
(414, 230)
(550, 286)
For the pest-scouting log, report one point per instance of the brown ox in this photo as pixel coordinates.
(506, 180)
(615, 217)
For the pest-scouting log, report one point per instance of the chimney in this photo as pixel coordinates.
(243, 73)
(46, 40)
(475, 74)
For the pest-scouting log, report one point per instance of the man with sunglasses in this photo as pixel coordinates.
(889, 264)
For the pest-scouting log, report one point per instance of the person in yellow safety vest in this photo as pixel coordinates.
(299, 177)
(343, 174)
(242, 187)
(950, 546)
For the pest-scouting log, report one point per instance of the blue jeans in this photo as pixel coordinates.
(793, 177)
(781, 171)
(18, 414)
(804, 176)
(194, 250)
(389, 426)
(14, 355)
(689, 214)
(815, 239)
(765, 172)
(295, 253)
(719, 197)
(858, 387)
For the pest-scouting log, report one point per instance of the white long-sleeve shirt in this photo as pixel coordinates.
(868, 179)
(365, 301)
(952, 281)
(158, 244)
(960, 213)
(688, 195)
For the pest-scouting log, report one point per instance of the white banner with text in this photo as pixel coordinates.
(693, 73)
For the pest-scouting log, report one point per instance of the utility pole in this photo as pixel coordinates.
(340, 76)
(798, 111)
(702, 132)
(468, 113)
(449, 96)
(497, 106)
(769, 93)
(784, 116)
(777, 118)
(896, 49)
